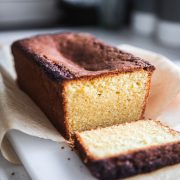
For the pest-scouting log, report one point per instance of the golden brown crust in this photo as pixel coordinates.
(132, 162)
(72, 56)
(45, 92)
(142, 161)
(148, 86)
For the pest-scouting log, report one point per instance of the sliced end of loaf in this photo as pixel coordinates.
(128, 149)
(106, 100)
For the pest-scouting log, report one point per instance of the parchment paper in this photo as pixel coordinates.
(18, 111)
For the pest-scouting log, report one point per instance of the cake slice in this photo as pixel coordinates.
(128, 149)
(75, 77)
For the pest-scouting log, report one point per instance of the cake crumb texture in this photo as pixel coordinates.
(106, 101)
(128, 149)
(114, 140)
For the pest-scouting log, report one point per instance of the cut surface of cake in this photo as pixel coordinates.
(80, 82)
(128, 149)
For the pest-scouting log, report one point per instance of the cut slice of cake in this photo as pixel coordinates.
(81, 83)
(128, 149)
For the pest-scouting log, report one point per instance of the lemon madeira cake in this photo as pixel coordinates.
(128, 149)
(80, 82)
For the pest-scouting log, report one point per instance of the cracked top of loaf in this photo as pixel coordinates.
(75, 55)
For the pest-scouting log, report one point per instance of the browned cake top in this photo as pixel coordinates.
(72, 55)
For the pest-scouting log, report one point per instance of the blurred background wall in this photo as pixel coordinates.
(152, 18)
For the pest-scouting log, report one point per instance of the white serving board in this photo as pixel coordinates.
(47, 160)
(9, 171)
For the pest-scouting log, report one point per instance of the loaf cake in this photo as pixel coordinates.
(80, 82)
(128, 149)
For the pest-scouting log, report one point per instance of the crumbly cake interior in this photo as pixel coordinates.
(111, 141)
(105, 101)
